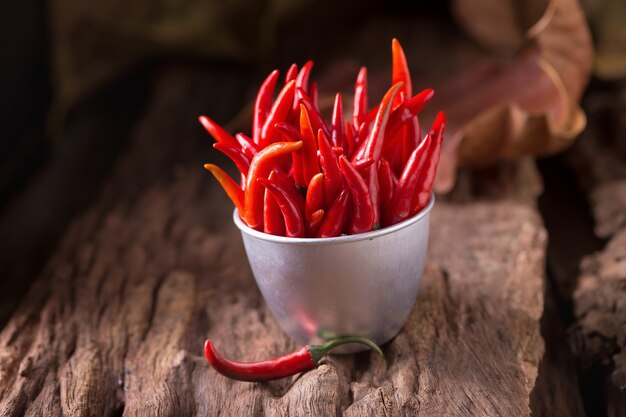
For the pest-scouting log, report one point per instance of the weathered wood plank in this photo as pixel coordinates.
(599, 300)
(556, 392)
(599, 335)
(115, 324)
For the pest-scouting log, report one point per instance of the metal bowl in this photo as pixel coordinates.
(363, 285)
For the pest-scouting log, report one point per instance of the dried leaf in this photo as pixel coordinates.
(504, 108)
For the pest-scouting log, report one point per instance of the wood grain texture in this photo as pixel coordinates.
(599, 334)
(115, 324)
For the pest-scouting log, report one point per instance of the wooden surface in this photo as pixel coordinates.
(116, 322)
(598, 334)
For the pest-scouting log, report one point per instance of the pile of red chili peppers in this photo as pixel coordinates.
(304, 177)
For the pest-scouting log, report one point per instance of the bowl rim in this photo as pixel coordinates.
(312, 241)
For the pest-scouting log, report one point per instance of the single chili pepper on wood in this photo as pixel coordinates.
(278, 113)
(262, 105)
(301, 360)
(427, 177)
(233, 190)
(260, 167)
(294, 220)
(363, 210)
(335, 218)
(400, 206)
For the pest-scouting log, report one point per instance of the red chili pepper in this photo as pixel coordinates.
(219, 134)
(292, 73)
(337, 134)
(314, 196)
(294, 221)
(373, 186)
(413, 106)
(302, 80)
(310, 165)
(260, 167)
(233, 190)
(292, 134)
(288, 185)
(301, 360)
(403, 129)
(262, 105)
(314, 93)
(350, 139)
(393, 150)
(337, 150)
(385, 180)
(360, 141)
(301, 87)
(363, 210)
(427, 177)
(333, 179)
(362, 164)
(411, 138)
(317, 121)
(247, 145)
(273, 222)
(314, 222)
(333, 222)
(360, 98)
(400, 206)
(278, 113)
(400, 71)
(236, 155)
(407, 110)
(375, 140)
(370, 115)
